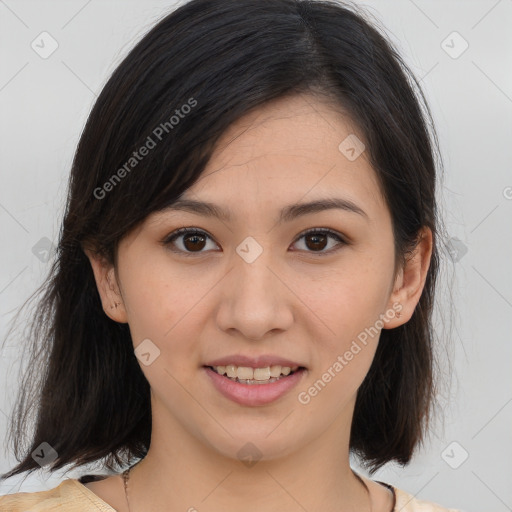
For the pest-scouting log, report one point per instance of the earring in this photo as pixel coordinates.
(398, 314)
(115, 305)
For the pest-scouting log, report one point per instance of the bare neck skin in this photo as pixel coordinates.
(312, 479)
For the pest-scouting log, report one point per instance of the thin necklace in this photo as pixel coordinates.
(126, 476)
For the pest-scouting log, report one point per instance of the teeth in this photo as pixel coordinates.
(260, 373)
(248, 373)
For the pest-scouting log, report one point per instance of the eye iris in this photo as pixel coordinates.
(195, 237)
(316, 243)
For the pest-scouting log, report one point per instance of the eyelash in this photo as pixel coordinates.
(322, 231)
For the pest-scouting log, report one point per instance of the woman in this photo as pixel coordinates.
(246, 271)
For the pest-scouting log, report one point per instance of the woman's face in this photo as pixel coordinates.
(251, 289)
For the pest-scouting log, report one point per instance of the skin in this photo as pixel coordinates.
(295, 300)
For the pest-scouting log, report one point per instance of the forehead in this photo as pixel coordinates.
(288, 150)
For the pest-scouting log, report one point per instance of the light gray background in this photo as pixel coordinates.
(44, 104)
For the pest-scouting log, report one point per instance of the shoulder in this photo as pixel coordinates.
(69, 495)
(406, 502)
(75, 497)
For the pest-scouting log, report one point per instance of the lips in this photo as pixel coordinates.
(259, 391)
(254, 394)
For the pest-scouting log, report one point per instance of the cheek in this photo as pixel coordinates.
(164, 305)
(150, 301)
(350, 303)
(343, 354)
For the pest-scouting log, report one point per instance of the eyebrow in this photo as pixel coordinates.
(287, 214)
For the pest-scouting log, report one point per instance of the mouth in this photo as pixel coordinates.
(250, 386)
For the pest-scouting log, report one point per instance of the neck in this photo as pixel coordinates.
(180, 473)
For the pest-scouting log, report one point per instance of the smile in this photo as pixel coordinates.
(254, 386)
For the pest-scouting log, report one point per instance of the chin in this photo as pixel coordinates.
(249, 446)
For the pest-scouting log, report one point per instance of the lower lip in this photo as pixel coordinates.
(253, 394)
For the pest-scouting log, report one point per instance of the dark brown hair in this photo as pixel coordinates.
(222, 58)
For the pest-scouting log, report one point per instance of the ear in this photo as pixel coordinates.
(410, 280)
(108, 287)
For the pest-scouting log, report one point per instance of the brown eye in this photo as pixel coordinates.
(194, 241)
(316, 240)
(188, 241)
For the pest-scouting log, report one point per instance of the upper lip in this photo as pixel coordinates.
(261, 361)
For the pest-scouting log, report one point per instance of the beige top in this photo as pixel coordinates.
(73, 496)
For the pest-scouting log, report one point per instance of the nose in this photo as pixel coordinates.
(255, 300)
